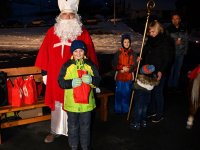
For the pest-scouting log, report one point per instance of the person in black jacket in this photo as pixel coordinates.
(158, 51)
(178, 32)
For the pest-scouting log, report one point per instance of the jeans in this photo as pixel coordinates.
(79, 129)
(173, 80)
(157, 99)
(122, 96)
(141, 102)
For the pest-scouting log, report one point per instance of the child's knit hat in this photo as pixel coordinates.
(147, 69)
(78, 44)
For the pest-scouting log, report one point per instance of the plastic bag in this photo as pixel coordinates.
(29, 91)
(17, 92)
(40, 89)
(81, 93)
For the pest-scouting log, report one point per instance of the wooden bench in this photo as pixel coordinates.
(103, 108)
(24, 72)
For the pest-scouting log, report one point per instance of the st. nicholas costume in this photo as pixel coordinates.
(50, 58)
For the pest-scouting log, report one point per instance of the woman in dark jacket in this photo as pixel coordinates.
(158, 51)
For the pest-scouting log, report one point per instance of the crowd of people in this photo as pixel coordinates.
(69, 67)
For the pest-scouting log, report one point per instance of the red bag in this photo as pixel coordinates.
(17, 92)
(9, 88)
(39, 88)
(29, 91)
(81, 93)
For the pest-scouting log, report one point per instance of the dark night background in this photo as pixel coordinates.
(31, 13)
(24, 11)
(115, 134)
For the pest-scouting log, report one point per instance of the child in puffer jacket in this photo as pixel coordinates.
(124, 64)
(78, 77)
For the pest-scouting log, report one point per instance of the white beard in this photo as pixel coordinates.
(68, 29)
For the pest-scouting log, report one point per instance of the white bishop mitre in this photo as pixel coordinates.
(68, 6)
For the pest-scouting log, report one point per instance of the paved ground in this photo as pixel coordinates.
(115, 134)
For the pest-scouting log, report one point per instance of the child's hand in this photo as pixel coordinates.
(86, 78)
(178, 41)
(139, 59)
(76, 82)
(121, 71)
(159, 75)
(126, 69)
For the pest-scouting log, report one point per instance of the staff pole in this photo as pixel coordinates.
(150, 6)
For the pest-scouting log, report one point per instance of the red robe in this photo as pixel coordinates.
(50, 59)
(193, 74)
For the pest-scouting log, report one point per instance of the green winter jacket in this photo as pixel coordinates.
(67, 74)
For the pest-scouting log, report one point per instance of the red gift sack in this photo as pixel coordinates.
(17, 92)
(29, 91)
(81, 93)
(39, 88)
(9, 88)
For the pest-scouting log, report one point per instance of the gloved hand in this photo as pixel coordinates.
(98, 90)
(44, 79)
(86, 78)
(76, 82)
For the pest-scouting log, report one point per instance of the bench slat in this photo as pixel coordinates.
(25, 121)
(21, 71)
(8, 108)
(101, 95)
(12, 73)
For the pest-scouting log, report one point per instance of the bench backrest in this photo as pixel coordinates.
(24, 72)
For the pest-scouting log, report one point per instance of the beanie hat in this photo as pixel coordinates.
(78, 44)
(125, 36)
(68, 6)
(147, 69)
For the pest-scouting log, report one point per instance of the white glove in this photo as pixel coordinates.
(44, 79)
(98, 90)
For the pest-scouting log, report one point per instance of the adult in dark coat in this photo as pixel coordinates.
(158, 51)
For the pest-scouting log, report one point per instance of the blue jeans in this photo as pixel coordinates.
(122, 96)
(157, 99)
(141, 102)
(79, 126)
(173, 80)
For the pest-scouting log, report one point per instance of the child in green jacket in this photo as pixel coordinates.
(78, 77)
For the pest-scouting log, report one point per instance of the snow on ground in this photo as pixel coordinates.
(105, 35)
